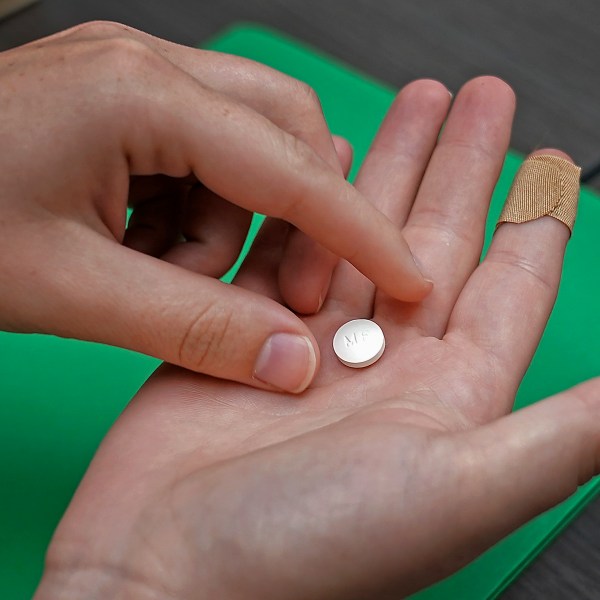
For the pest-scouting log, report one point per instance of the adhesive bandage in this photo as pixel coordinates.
(545, 185)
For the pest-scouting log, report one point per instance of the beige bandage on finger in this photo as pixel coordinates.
(545, 185)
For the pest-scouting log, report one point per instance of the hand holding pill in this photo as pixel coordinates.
(378, 480)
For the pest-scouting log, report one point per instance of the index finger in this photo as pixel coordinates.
(247, 159)
(305, 267)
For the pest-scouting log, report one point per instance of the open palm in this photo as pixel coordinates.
(374, 482)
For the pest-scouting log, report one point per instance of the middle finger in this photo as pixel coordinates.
(390, 178)
(445, 229)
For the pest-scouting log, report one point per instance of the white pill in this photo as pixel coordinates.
(359, 343)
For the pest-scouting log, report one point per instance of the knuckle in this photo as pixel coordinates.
(525, 267)
(299, 101)
(304, 167)
(299, 154)
(308, 97)
(479, 151)
(99, 28)
(204, 338)
(304, 108)
(123, 66)
(123, 55)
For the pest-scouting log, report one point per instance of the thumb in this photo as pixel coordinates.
(529, 461)
(111, 294)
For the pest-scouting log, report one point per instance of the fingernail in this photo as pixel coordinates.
(286, 361)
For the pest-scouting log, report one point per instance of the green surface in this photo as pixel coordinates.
(58, 397)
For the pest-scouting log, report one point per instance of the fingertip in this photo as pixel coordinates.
(287, 362)
(305, 273)
(419, 292)
(420, 284)
(490, 84)
(408, 289)
(304, 290)
(429, 92)
(428, 287)
(552, 152)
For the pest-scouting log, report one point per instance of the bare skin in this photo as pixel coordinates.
(101, 116)
(373, 483)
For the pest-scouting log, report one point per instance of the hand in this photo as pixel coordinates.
(375, 482)
(100, 115)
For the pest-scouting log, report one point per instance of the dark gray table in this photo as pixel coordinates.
(546, 49)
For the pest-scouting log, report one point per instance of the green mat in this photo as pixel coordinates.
(58, 397)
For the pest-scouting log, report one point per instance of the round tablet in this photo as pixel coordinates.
(359, 343)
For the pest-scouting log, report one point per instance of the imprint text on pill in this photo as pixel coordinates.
(359, 343)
